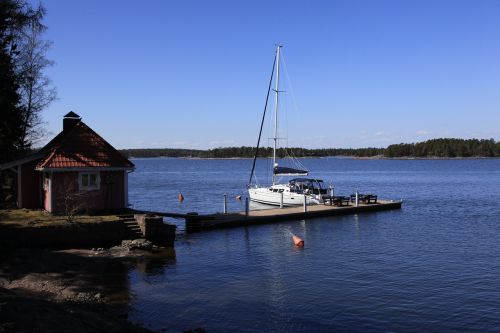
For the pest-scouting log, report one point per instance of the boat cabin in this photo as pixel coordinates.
(307, 185)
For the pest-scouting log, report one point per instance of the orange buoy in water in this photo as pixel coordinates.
(238, 197)
(180, 197)
(297, 241)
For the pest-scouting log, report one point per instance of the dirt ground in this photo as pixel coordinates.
(68, 291)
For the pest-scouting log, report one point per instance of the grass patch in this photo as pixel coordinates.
(33, 218)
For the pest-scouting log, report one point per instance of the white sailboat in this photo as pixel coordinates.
(296, 190)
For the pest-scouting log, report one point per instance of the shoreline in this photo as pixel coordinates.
(427, 158)
(333, 157)
(87, 290)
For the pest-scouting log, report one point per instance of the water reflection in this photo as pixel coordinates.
(155, 265)
(355, 219)
(247, 238)
(303, 227)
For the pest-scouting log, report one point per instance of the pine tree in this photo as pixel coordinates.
(10, 110)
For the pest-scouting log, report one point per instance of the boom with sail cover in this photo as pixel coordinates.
(283, 171)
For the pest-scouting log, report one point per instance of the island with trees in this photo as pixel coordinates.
(435, 148)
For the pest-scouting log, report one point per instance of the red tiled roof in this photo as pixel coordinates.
(81, 147)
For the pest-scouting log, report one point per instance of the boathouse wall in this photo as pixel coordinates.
(67, 196)
(29, 186)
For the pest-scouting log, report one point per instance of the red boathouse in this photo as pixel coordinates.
(76, 171)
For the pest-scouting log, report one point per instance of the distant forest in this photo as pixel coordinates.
(445, 148)
(249, 152)
(435, 148)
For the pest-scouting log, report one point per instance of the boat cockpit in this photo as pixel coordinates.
(307, 186)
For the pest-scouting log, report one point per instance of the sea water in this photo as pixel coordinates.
(434, 265)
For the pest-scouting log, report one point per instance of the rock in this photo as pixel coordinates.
(3, 282)
(137, 244)
(98, 296)
(86, 297)
(80, 297)
(196, 330)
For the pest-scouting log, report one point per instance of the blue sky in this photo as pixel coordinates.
(193, 74)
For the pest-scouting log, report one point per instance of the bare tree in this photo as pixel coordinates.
(36, 90)
(73, 204)
(76, 201)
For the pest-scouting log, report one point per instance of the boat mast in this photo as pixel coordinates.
(276, 100)
(262, 121)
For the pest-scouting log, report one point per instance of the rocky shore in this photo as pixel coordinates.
(71, 290)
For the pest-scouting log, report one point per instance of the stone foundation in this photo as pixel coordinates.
(67, 236)
(155, 230)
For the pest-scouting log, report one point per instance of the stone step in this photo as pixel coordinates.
(133, 230)
(133, 227)
(131, 223)
(133, 236)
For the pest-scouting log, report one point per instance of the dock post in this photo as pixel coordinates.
(357, 198)
(225, 203)
(281, 200)
(305, 204)
(247, 207)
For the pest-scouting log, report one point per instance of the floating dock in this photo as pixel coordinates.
(229, 220)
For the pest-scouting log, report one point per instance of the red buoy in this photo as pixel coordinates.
(180, 197)
(297, 241)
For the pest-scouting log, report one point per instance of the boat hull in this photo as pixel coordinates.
(266, 196)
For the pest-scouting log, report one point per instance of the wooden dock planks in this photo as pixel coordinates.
(216, 221)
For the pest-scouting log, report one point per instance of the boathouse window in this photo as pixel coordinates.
(89, 181)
